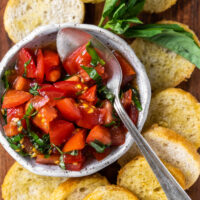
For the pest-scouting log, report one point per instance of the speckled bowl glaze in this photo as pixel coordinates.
(47, 34)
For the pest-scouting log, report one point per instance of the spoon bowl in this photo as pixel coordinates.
(47, 35)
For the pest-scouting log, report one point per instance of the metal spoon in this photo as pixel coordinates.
(68, 40)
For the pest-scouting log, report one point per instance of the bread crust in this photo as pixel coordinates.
(20, 17)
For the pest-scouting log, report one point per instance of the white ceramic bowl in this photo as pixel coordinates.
(47, 34)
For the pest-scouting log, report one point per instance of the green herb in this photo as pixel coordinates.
(62, 154)
(95, 57)
(47, 155)
(67, 76)
(103, 91)
(34, 89)
(59, 98)
(5, 78)
(4, 114)
(135, 98)
(73, 153)
(14, 143)
(121, 14)
(25, 67)
(110, 124)
(93, 74)
(98, 146)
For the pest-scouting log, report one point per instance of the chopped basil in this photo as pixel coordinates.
(25, 67)
(5, 78)
(62, 154)
(93, 74)
(110, 124)
(95, 57)
(103, 91)
(67, 76)
(73, 153)
(135, 98)
(47, 155)
(4, 114)
(34, 89)
(98, 146)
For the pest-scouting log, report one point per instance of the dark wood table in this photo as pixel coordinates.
(184, 11)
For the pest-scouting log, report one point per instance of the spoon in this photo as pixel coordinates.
(68, 40)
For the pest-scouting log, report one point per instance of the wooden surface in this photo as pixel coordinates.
(184, 11)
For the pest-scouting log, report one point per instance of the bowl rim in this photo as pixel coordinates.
(51, 170)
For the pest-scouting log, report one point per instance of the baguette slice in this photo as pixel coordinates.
(174, 149)
(138, 177)
(78, 188)
(164, 68)
(20, 184)
(157, 6)
(92, 1)
(178, 110)
(23, 16)
(111, 192)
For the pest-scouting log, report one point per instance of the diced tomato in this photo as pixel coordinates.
(76, 142)
(127, 69)
(133, 113)
(51, 59)
(25, 57)
(100, 134)
(37, 102)
(71, 88)
(91, 116)
(28, 146)
(69, 109)
(40, 66)
(16, 112)
(90, 95)
(44, 117)
(51, 160)
(127, 99)
(117, 135)
(15, 98)
(74, 78)
(51, 92)
(11, 129)
(74, 166)
(76, 59)
(21, 83)
(107, 112)
(71, 159)
(53, 75)
(60, 131)
(101, 156)
(101, 71)
(84, 75)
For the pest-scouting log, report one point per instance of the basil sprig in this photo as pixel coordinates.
(94, 55)
(34, 89)
(25, 67)
(98, 146)
(103, 91)
(121, 14)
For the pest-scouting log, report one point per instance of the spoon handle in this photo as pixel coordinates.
(170, 186)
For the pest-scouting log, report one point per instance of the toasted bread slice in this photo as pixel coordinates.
(20, 184)
(176, 150)
(178, 110)
(23, 16)
(138, 177)
(92, 1)
(164, 68)
(111, 192)
(78, 188)
(157, 6)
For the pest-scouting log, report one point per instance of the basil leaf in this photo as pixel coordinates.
(58, 149)
(34, 89)
(5, 78)
(73, 153)
(110, 124)
(105, 93)
(93, 74)
(4, 114)
(25, 67)
(135, 98)
(95, 57)
(98, 146)
(109, 6)
(62, 163)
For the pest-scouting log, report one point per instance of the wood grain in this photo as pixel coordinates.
(184, 11)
